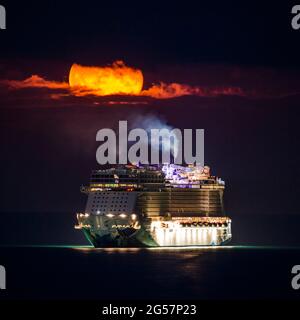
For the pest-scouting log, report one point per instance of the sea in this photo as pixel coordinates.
(250, 267)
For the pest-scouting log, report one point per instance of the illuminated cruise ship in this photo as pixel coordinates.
(168, 205)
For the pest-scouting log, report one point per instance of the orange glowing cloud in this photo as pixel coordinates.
(36, 81)
(117, 79)
(173, 90)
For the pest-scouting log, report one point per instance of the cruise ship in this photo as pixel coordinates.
(151, 206)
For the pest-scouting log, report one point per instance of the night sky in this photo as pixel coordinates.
(48, 145)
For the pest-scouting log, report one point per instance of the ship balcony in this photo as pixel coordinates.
(80, 226)
(85, 189)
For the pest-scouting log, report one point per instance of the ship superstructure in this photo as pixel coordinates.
(166, 205)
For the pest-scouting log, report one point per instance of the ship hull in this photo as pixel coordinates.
(140, 238)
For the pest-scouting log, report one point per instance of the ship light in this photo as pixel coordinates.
(133, 216)
(123, 215)
(110, 215)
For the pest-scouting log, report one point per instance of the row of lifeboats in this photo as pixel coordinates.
(204, 225)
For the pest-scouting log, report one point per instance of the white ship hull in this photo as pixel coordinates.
(106, 232)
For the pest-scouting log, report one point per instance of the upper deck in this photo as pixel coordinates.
(136, 178)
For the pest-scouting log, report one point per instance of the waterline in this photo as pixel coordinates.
(199, 248)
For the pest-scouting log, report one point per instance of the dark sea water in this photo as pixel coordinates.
(65, 272)
(45, 258)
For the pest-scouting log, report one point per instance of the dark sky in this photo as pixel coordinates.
(48, 148)
(152, 33)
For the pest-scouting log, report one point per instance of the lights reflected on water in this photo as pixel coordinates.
(89, 248)
(135, 250)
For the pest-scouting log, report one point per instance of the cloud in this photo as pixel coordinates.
(118, 84)
(173, 90)
(35, 81)
(117, 79)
